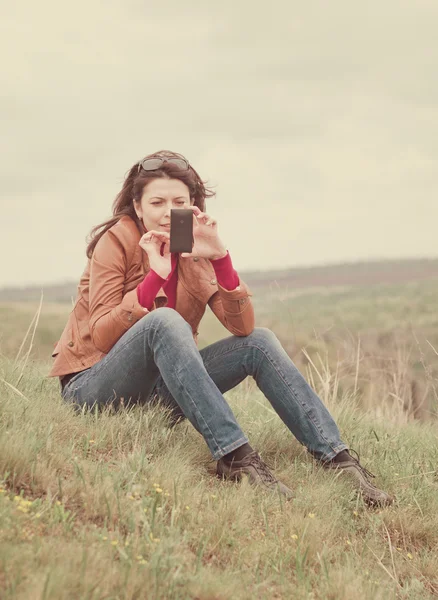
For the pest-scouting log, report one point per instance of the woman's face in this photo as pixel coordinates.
(159, 197)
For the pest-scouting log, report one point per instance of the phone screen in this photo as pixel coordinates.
(181, 230)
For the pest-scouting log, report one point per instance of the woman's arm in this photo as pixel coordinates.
(148, 289)
(112, 312)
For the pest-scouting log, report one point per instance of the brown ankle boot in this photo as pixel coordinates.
(257, 471)
(359, 477)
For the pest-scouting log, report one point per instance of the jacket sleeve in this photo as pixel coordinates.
(234, 309)
(112, 312)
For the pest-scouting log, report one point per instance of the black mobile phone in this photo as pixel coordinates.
(181, 230)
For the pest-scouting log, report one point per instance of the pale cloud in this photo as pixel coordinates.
(317, 122)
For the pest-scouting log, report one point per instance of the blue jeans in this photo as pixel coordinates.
(158, 357)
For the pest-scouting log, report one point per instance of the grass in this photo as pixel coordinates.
(122, 506)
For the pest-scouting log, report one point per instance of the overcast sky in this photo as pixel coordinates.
(316, 121)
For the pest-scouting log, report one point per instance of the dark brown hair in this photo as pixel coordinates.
(133, 187)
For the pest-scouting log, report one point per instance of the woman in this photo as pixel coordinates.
(132, 334)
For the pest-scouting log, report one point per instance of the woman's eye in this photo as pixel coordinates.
(180, 202)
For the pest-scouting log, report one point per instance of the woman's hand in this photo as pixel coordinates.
(156, 244)
(207, 243)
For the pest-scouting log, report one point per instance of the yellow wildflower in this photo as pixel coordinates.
(311, 515)
(409, 555)
(294, 536)
(114, 543)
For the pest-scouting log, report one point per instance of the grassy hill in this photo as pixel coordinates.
(121, 506)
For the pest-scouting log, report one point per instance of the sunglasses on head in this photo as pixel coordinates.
(153, 164)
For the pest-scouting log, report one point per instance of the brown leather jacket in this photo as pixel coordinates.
(106, 304)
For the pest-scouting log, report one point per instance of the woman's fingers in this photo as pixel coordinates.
(162, 236)
(206, 219)
(203, 217)
(159, 234)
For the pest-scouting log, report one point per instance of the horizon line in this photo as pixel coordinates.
(8, 287)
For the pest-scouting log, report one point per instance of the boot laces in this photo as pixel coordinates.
(262, 468)
(357, 461)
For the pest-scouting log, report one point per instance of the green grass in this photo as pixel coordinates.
(122, 506)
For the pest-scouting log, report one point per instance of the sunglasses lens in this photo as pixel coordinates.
(151, 164)
(179, 162)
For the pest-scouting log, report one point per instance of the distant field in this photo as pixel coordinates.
(360, 273)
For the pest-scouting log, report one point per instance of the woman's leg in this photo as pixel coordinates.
(260, 354)
(161, 345)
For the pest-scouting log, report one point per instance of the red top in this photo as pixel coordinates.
(147, 290)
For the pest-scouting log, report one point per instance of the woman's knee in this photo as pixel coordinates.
(263, 336)
(261, 342)
(168, 318)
